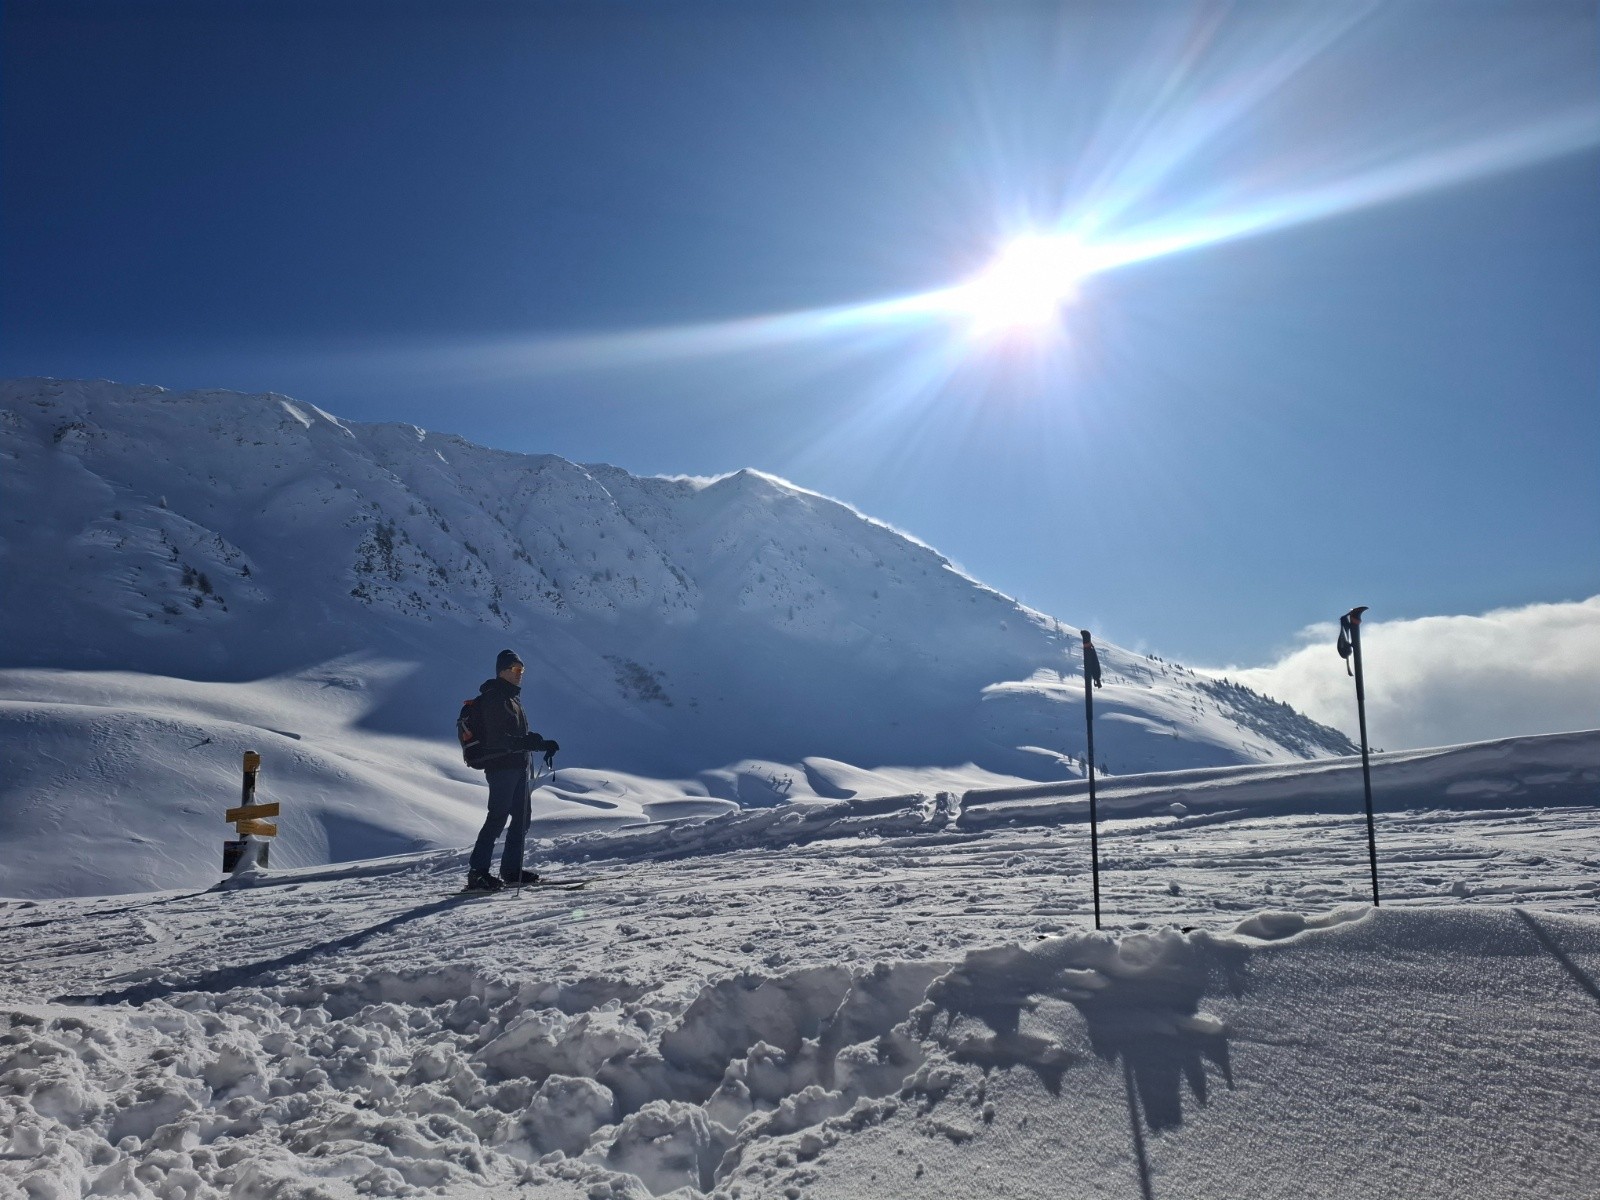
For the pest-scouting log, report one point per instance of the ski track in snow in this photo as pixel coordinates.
(868, 998)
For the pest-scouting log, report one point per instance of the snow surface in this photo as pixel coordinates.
(867, 997)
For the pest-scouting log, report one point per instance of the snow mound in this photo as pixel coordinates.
(418, 1078)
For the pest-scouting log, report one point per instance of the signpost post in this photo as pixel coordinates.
(249, 850)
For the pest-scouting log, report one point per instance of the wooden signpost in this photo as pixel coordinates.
(248, 850)
(250, 812)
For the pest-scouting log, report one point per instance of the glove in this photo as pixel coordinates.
(538, 745)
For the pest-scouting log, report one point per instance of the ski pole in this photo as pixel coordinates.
(1091, 680)
(1354, 617)
(1350, 646)
(541, 773)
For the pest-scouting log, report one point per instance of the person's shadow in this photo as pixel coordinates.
(226, 978)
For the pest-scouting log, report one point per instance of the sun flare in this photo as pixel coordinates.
(1027, 284)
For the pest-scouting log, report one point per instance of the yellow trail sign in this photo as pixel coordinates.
(249, 812)
(259, 828)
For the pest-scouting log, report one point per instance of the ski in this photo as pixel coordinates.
(555, 885)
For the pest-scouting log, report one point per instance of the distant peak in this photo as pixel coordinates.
(751, 479)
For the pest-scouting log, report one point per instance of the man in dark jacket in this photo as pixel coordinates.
(507, 738)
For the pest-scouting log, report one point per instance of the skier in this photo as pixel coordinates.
(507, 738)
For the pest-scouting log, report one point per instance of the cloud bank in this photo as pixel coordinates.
(1437, 681)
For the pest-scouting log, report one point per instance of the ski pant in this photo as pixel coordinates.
(508, 800)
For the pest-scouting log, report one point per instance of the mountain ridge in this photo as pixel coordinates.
(686, 622)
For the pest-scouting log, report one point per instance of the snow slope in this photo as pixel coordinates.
(868, 997)
(206, 572)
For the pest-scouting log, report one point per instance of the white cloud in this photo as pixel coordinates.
(1437, 681)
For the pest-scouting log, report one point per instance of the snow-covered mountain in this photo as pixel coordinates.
(671, 624)
(180, 572)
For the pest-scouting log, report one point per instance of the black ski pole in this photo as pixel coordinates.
(1350, 634)
(527, 818)
(1091, 680)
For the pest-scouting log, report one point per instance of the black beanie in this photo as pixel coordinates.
(507, 658)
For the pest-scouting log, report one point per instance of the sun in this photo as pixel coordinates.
(1027, 284)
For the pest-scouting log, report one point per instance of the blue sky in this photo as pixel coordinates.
(1345, 350)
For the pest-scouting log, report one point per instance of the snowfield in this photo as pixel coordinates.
(894, 996)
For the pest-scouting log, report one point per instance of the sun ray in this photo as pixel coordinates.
(1072, 260)
(1481, 158)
